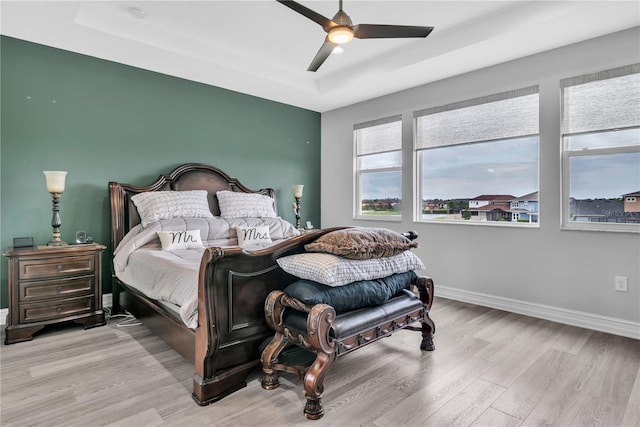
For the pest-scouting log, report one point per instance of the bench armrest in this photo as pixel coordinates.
(425, 289)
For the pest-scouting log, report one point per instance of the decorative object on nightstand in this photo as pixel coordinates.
(53, 284)
(297, 194)
(55, 186)
(23, 242)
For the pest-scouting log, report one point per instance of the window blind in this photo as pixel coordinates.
(378, 136)
(606, 100)
(499, 116)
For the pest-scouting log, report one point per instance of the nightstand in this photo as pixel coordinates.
(53, 284)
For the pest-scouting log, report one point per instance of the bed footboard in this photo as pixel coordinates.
(232, 288)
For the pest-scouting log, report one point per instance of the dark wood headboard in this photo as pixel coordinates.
(190, 176)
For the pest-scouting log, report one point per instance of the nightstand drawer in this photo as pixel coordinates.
(37, 312)
(64, 288)
(56, 267)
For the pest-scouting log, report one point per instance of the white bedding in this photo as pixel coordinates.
(167, 276)
(140, 262)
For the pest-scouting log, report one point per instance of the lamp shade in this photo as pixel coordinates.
(55, 181)
(297, 191)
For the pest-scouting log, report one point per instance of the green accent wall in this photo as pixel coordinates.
(103, 121)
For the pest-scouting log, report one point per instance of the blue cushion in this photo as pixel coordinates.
(353, 295)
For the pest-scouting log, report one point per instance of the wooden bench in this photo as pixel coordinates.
(317, 328)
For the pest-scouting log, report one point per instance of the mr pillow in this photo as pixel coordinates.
(176, 240)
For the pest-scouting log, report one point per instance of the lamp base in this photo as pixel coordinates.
(296, 210)
(55, 222)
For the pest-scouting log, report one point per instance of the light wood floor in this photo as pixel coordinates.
(490, 368)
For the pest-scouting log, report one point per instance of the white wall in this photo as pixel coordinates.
(562, 275)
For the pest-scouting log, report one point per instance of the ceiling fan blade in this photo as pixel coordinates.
(323, 21)
(373, 31)
(322, 55)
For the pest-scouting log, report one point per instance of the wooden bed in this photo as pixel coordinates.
(232, 288)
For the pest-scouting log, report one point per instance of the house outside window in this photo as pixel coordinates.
(524, 209)
(479, 160)
(378, 169)
(601, 150)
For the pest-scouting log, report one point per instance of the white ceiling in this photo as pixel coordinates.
(263, 48)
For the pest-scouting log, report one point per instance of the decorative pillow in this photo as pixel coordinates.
(333, 270)
(175, 240)
(248, 236)
(244, 205)
(353, 295)
(211, 229)
(156, 205)
(278, 227)
(362, 243)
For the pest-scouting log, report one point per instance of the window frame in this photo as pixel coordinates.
(358, 173)
(567, 154)
(419, 151)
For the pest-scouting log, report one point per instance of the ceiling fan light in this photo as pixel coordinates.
(340, 35)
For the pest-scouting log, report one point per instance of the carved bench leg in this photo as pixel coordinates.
(313, 386)
(428, 329)
(425, 288)
(268, 359)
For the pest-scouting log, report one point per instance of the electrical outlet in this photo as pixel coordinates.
(621, 284)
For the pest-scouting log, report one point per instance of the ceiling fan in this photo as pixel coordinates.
(340, 30)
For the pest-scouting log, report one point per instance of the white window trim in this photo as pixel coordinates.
(417, 199)
(357, 173)
(566, 155)
(358, 192)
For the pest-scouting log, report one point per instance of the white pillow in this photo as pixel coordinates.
(251, 236)
(244, 205)
(175, 240)
(333, 270)
(278, 227)
(156, 205)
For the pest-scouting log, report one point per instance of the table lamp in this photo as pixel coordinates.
(55, 187)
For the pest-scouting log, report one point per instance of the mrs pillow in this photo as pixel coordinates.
(176, 240)
(244, 205)
(252, 236)
(156, 205)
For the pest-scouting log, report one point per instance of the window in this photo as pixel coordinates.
(601, 150)
(378, 169)
(477, 160)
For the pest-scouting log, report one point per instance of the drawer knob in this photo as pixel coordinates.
(59, 289)
(59, 267)
(59, 309)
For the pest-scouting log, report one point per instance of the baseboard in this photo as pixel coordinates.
(595, 322)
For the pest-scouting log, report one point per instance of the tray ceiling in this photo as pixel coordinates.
(263, 48)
